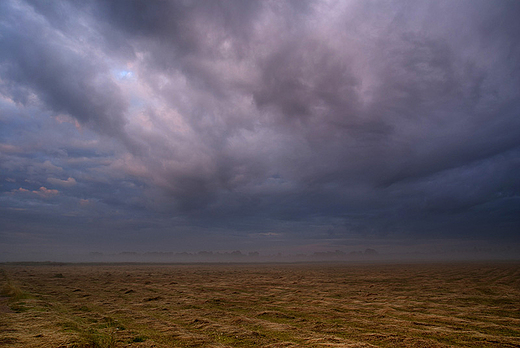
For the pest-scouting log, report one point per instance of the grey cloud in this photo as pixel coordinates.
(428, 109)
(371, 119)
(66, 183)
(65, 77)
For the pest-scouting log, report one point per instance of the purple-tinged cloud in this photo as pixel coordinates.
(309, 121)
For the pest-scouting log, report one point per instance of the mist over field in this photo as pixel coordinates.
(296, 128)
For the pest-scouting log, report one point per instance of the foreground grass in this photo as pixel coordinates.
(428, 305)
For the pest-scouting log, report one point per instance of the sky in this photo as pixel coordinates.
(270, 126)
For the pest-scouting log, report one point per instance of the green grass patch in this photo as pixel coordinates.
(138, 339)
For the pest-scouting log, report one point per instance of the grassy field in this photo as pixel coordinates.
(265, 305)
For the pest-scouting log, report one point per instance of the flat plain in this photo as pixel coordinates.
(260, 305)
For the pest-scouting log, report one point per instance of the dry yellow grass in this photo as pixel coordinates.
(267, 305)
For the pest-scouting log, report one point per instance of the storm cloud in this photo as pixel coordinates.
(287, 125)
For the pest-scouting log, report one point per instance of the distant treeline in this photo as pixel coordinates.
(233, 256)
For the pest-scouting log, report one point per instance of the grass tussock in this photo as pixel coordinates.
(95, 339)
(13, 291)
(89, 335)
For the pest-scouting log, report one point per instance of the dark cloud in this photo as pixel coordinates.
(238, 120)
(39, 61)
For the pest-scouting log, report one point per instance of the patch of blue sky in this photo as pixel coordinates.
(122, 74)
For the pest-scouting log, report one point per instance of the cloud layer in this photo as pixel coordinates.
(233, 124)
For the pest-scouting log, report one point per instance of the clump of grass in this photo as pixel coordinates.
(108, 340)
(13, 291)
(84, 308)
(92, 338)
(139, 339)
